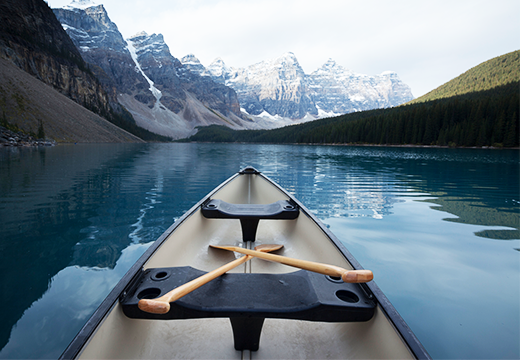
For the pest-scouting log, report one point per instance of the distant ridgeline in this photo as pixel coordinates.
(478, 108)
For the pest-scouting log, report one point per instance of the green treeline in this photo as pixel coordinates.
(484, 118)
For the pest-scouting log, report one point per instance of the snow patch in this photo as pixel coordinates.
(325, 114)
(265, 114)
(133, 53)
(80, 4)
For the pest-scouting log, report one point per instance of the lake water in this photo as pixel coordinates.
(438, 227)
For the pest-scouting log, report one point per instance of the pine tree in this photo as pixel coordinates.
(511, 138)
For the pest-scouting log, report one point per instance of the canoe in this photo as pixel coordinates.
(261, 309)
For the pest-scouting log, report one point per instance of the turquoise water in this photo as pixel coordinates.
(438, 227)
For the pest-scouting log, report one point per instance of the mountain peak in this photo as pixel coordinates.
(139, 34)
(330, 62)
(288, 57)
(331, 67)
(218, 70)
(193, 64)
(80, 4)
(190, 58)
(218, 61)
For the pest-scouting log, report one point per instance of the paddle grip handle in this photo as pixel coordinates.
(161, 305)
(357, 276)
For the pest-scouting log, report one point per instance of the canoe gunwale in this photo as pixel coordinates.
(391, 313)
(83, 336)
(87, 331)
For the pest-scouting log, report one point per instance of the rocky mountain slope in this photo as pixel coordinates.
(280, 87)
(32, 39)
(32, 42)
(36, 108)
(160, 92)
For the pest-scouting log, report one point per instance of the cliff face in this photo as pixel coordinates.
(28, 104)
(171, 77)
(107, 56)
(32, 39)
(160, 92)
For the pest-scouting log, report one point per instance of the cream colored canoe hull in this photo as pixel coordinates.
(110, 334)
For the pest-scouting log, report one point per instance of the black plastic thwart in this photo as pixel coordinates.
(250, 214)
(249, 170)
(248, 299)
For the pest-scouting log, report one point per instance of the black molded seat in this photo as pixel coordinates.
(250, 214)
(247, 299)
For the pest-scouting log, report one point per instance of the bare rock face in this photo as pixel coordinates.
(38, 109)
(162, 94)
(152, 56)
(32, 39)
(173, 78)
(103, 47)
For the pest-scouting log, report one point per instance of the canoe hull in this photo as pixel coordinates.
(112, 334)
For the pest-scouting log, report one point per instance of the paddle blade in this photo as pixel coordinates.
(268, 247)
(154, 306)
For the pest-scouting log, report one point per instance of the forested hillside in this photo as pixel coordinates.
(475, 118)
(498, 71)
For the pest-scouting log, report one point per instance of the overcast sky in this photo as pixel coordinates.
(426, 42)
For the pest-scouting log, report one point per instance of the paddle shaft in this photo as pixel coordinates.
(161, 305)
(349, 276)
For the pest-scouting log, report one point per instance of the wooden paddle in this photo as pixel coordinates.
(161, 305)
(348, 276)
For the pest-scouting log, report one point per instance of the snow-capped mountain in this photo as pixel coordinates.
(277, 87)
(93, 31)
(193, 64)
(162, 94)
(280, 87)
(80, 4)
(339, 90)
(218, 70)
(172, 97)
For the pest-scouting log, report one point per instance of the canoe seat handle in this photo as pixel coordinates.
(250, 214)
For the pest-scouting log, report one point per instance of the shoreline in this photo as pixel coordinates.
(370, 145)
(9, 138)
(426, 146)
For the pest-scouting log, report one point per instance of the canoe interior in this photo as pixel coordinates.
(188, 245)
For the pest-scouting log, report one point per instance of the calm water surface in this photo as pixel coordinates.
(438, 227)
